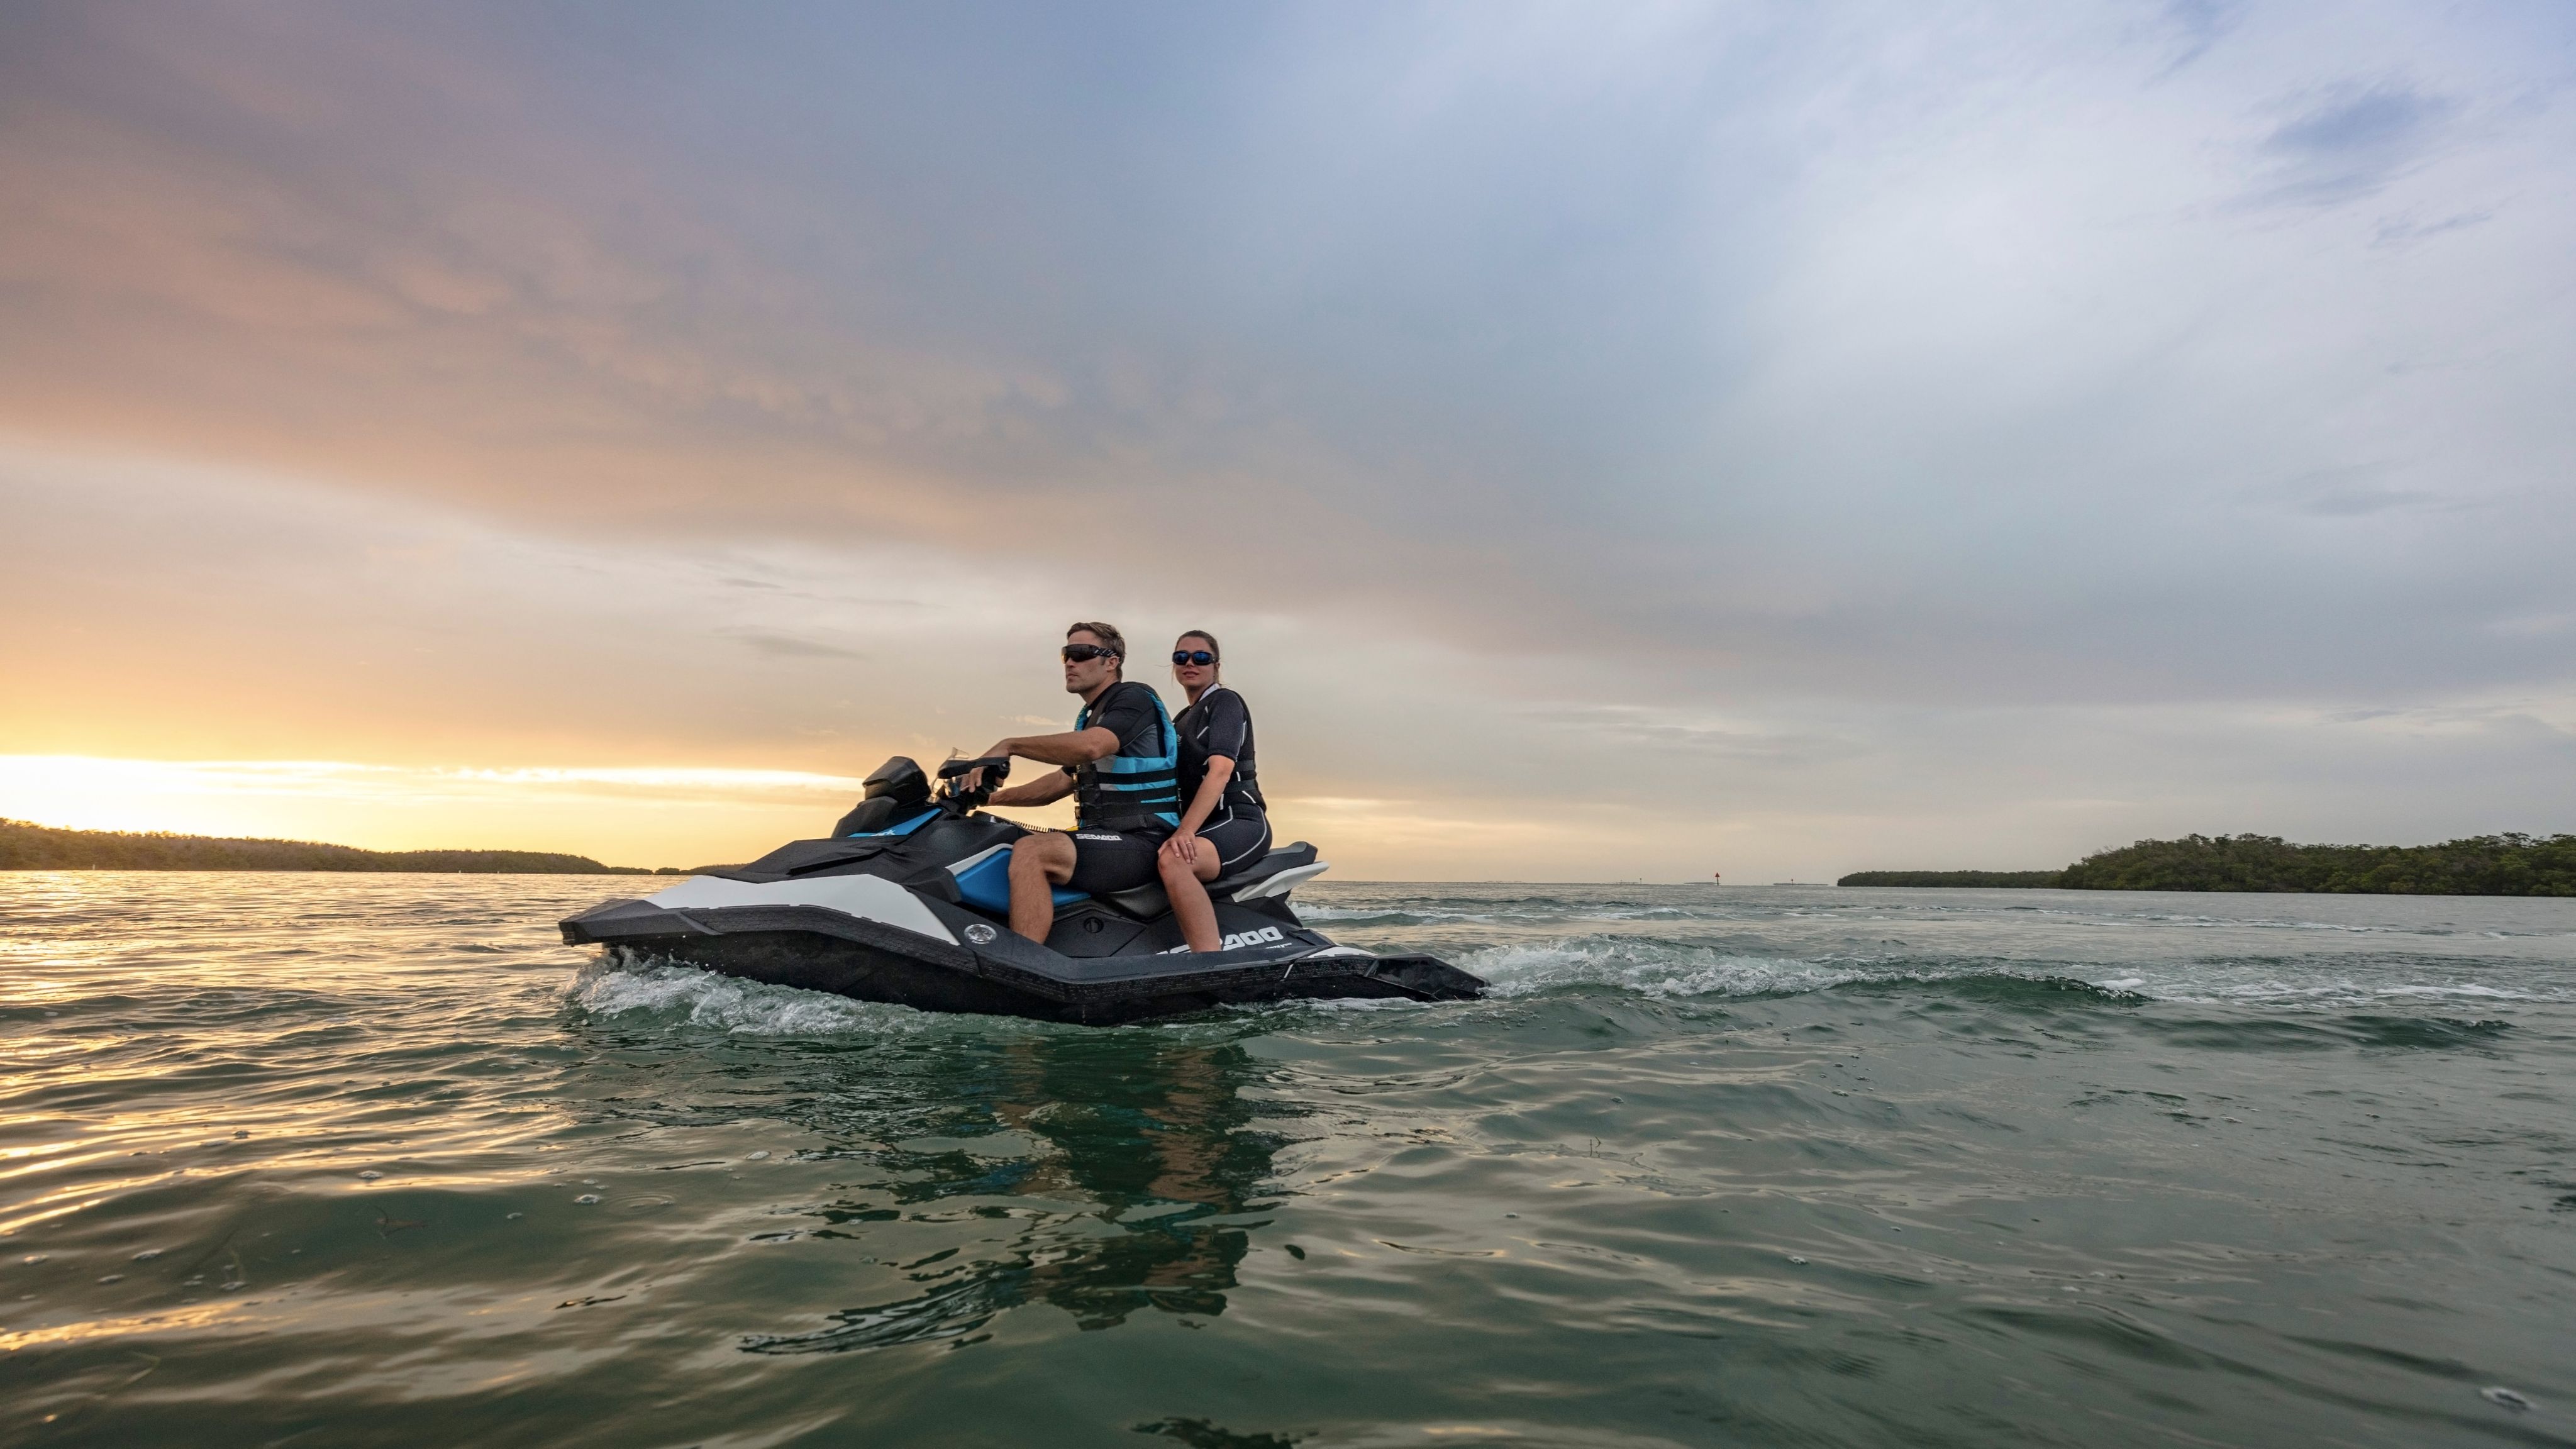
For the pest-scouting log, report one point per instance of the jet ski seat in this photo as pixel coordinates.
(1275, 873)
(1144, 902)
(1266, 873)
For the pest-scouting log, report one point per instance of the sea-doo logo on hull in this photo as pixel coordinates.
(1240, 939)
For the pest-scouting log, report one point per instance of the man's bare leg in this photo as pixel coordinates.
(1185, 884)
(1039, 863)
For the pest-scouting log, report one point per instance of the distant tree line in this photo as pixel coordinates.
(1993, 880)
(2479, 865)
(37, 847)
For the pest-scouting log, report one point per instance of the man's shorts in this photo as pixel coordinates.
(1113, 860)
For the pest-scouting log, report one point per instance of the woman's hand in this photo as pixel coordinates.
(1183, 846)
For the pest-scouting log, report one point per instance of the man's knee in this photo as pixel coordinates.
(1050, 854)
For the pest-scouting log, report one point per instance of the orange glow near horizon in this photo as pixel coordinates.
(663, 816)
(685, 816)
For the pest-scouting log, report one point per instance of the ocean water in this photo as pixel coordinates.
(360, 1160)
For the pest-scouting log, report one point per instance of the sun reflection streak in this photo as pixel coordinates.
(12, 1226)
(210, 1315)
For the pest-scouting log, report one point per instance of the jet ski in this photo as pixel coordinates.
(908, 901)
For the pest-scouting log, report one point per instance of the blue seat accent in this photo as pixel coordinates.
(906, 828)
(986, 885)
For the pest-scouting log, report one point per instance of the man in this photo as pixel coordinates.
(1122, 766)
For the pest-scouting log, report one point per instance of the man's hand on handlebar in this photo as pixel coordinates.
(979, 776)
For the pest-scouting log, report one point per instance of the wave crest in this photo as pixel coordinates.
(1651, 968)
(627, 984)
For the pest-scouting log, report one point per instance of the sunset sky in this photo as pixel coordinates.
(1611, 441)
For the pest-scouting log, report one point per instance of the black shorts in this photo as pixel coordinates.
(1240, 839)
(1113, 860)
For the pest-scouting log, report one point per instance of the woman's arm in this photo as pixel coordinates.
(1185, 840)
(1211, 790)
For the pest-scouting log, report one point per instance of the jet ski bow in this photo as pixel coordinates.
(908, 902)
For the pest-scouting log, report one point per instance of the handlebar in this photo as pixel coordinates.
(952, 781)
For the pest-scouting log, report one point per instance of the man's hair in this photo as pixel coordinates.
(1107, 634)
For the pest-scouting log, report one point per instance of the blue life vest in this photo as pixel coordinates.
(1126, 791)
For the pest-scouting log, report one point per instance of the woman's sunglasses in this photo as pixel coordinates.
(1076, 653)
(1192, 656)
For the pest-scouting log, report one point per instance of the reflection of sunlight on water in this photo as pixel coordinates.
(200, 1317)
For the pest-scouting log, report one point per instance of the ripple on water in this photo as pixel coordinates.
(1784, 1168)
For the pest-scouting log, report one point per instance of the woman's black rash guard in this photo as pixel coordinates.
(1219, 724)
(1239, 827)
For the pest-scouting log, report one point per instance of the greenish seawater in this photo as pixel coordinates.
(356, 1160)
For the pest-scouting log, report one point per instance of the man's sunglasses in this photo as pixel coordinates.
(1192, 656)
(1076, 653)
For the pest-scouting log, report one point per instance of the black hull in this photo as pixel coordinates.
(869, 972)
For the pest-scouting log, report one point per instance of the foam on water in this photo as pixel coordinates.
(2212, 987)
(623, 984)
(1649, 968)
(1662, 969)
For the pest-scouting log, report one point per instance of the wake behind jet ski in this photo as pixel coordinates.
(908, 901)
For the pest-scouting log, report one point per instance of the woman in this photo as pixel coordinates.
(1224, 827)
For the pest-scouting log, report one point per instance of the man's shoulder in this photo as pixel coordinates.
(1125, 707)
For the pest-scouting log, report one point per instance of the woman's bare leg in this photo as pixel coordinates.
(1186, 884)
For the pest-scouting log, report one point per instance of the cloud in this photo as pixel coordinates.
(2196, 26)
(2350, 143)
(2398, 232)
(1783, 393)
(788, 646)
(1651, 737)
